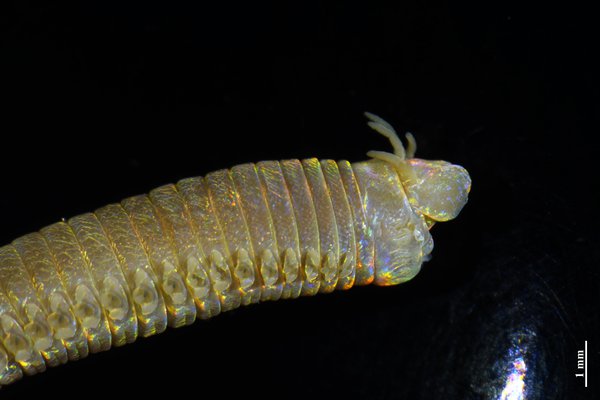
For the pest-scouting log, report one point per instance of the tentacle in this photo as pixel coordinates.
(384, 128)
(412, 145)
(385, 156)
(400, 153)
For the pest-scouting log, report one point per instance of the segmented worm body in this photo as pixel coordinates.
(255, 232)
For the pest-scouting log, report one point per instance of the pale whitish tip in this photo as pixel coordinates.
(244, 269)
(329, 267)
(61, 319)
(8, 323)
(311, 265)
(15, 340)
(37, 328)
(196, 278)
(219, 272)
(412, 145)
(86, 308)
(32, 311)
(114, 300)
(268, 268)
(40, 334)
(291, 265)
(18, 346)
(172, 283)
(347, 265)
(62, 324)
(144, 294)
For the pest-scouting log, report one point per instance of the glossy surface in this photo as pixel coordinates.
(438, 189)
(401, 237)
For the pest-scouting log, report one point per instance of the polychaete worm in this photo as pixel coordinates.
(255, 232)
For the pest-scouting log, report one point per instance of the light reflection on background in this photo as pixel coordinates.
(515, 382)
(514, 388)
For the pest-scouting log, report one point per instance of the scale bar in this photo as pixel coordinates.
(585, 364)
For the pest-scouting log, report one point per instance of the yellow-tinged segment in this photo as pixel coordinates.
(211, 237)
(176, 222)
(108, 277)
(286, 229)
(261, 230)
(161, 250)
(19, 290)
(10, 367)
(228, 211)
(328, 230)
(149, 231)
(75, 275)
(69, 339)
(10, 371)
(149, 304)
(306, 222)
(20, 345)
(363, 233)
(345, 224)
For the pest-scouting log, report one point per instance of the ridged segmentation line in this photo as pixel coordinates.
(191, 250)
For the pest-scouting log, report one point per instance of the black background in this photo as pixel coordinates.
(106, 100)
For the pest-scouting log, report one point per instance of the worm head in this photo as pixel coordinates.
(437, 189)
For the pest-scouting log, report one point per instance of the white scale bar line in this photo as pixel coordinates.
(585, 364)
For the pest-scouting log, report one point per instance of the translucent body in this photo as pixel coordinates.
(400, 235)
(252, 233)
